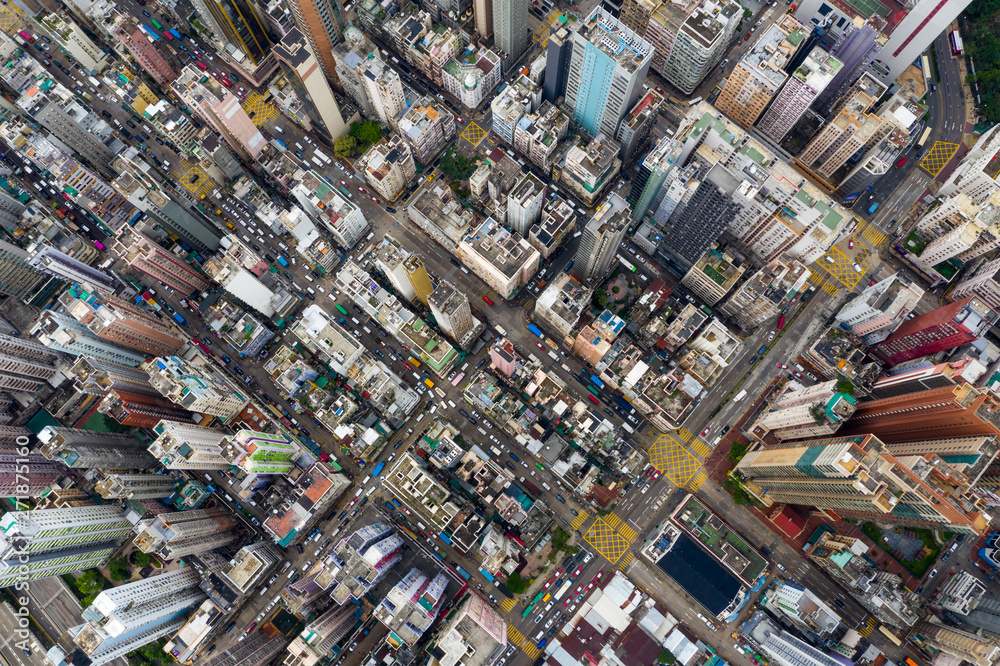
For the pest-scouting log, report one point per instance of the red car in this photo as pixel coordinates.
(547, 585)
(704, 433)
(488, 301)
(344, 183)
(850, 244)
(540, 346)
(362, 190)
(251, 627)
(407, 366)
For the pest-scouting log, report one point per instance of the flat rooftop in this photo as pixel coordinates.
(504, 250)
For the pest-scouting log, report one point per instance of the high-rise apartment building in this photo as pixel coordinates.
(257, 649)
(359, 561)
(848, 132)
(966, 371)
(199, 388)
(412, 605)
(49, 112)
(945, 328)
(652, 173)
(120, 321)
(427, 127)
(62, 333)
(384, 88)
(129, 616)
(323, 24)
(483, 11)
(801, 413)
(313, 88)
(238, 24)
(709, 211)
(48, 542)
(910, 30)
(260, 453)
(558, 55)
(758, 76)
(803, 86)
(504, 260)
(145, 256)
(766, 293)
(179, 533)
(141, 410)
(510, 29)
(451, 309)
(388, 167)
(391, 258)
(600, 241)
(784, 649)
(26, 365)
(187, 446)
(24, 475)
(136, 486)
(607, 68)
(976, 174)
(85, 449)
(855, 48)
(880, 308)
(950, 411)
(65, 267)
(939, 639)
(136, 43)
(475, 634)
(699, 42)
(524, 204)
(20, 279)
(858, 477)
(319, 636)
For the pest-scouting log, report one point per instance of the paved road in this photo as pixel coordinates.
(12, 645)
(55, 608)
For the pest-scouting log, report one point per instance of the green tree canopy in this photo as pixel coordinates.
(366, 133)
(457, 166)
(599, 299)
(516, 584)
(345, 146)
(120, 570)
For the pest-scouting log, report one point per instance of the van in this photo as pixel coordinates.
(546, 486)
(208, 479)
(228, 498)
(278, 130)
(829, 259)
(309, 278)
(310, 291)
(452, 403)
(481, 431)
(356, 322)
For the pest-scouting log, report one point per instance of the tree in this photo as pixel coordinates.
(516, 584)
(457, 166)
(737, 451)
(345, 146)
(142, 559)
(120, 569)
(366, 133)
(599, 299)
(666, 657)
(844, 385)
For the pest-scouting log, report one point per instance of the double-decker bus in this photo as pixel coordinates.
(956, 42)
(923, 139)
(595, 380)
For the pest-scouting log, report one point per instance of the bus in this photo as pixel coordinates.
(343, 190)
(563, 590)
(892, 637)
(458, 378)
(923, 139)
(538, 597)
(156, 24)
(527, 611)
(341, 309)
(592, 399)
(625, 263)
(596, 381)
(956, 43)
(593, 390)
(414, 362)
(925, 65)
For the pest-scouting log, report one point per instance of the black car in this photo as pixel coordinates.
(480, 364)
(342, 514)
(473, 421)
(511, 465)
(455, 262)
(463, 413)
(255, 247)
(229, 627)
(561, 498)
(288, 275)
(839, 603)
(105, 114)
(237, 369)
(145, 13)
(298, 547)
(390, 209)
(130, 124)
(269, 258)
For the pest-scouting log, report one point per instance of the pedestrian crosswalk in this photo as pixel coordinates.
(579, 520)
(868, 627)
(625, 561)
(508, 605)
(627, 531)
(699, 448)
(684, 434)
(518, 639)
(696, 481)
(612, 520)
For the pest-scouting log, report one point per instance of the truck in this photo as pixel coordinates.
(282, 261)
(563, 590)
(487, 575)
(179, 319)
(463, 573)
(873, 208)
(530, 487)
(537, 331)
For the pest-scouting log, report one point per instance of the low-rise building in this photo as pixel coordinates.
(504, 260)
(589, 171)
(537, 135)
(559, 307)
